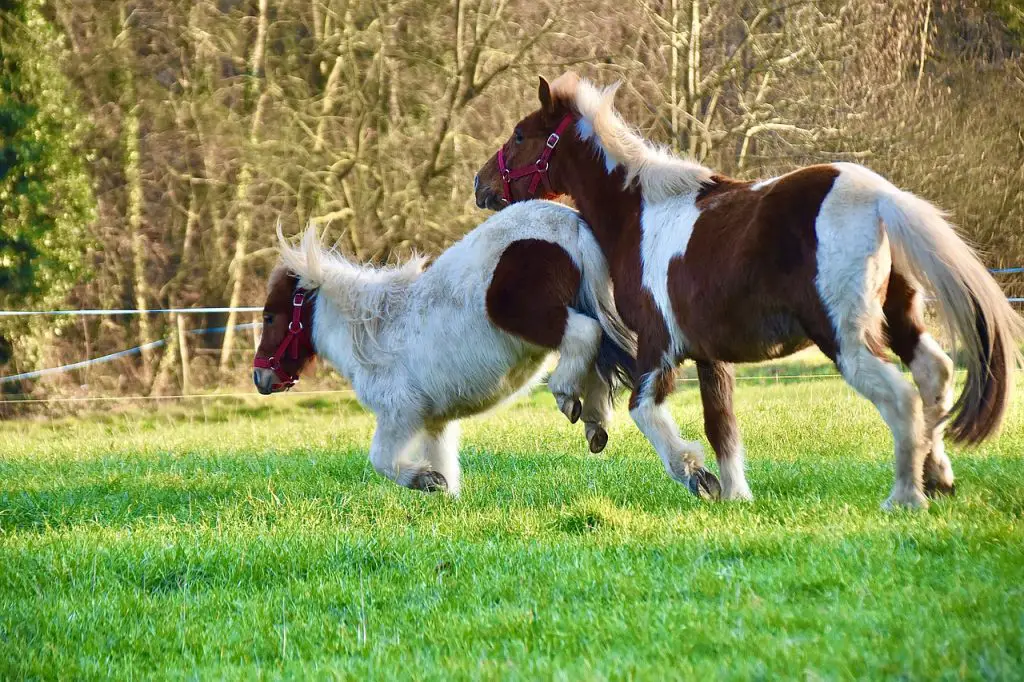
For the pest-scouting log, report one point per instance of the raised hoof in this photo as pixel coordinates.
(934, 489)
(705, 485)
(572, 408)
(429, 482)
(597, 438)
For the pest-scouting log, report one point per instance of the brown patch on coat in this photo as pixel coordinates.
(903, 323)
(534, 284)
(744, 290)
(660, 384)
(277, 315)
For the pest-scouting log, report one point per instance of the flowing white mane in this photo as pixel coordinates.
(363, 295)
(659, 173)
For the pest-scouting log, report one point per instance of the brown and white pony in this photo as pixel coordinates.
(722, 271)
(424, 348)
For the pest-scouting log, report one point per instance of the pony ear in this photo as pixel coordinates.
(544, 94)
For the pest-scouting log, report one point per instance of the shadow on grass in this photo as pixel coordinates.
(190, 489)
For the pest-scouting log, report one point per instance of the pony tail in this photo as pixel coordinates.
(971, 301)
(616, 355)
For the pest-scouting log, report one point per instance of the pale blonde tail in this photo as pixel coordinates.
(975, 308)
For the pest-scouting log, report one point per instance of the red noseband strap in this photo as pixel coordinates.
(299, 335)
(538, 169)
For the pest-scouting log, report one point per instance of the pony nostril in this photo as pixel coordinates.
(264, 380)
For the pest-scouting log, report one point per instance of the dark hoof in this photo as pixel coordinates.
(705, 485)
(429, 482)
(598, 439)
(577, 410)
(935, 489)
(572, 408)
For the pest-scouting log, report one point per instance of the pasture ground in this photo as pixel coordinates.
(252, 539)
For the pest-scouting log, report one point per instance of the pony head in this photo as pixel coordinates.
(286, 346)
(533, 162)
(597, 138)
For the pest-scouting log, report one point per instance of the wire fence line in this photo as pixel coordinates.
(110, 357)
(178, 396)
(39, 373)
(762, 378)
(338, 391)
(126, 311)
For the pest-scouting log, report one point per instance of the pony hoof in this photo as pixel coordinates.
(572, 408)
(429, 482)
(597, 438)
(934, 489)
(910, 501)
(705, 485)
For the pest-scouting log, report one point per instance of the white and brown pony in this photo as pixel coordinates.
(425, 347)
(723, 271)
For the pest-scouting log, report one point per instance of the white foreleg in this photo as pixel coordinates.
(441, 451)
(395, 455)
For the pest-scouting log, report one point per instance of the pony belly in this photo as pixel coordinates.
(467, 395)
(754, 339)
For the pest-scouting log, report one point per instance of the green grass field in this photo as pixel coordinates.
(252, 538)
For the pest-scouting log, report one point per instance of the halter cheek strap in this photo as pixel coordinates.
(538, 169)
(298, 336)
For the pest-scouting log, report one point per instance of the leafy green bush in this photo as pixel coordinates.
(46, 201)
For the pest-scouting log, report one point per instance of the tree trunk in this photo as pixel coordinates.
(674, 77)
(237, 269)
(134, 211)
(693, 72)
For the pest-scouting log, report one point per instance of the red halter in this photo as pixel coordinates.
(538, 169)
(299, 334)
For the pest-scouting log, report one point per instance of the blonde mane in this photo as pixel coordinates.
(659, 173)
(363, 295)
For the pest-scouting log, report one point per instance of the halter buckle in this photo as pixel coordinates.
(553, 139)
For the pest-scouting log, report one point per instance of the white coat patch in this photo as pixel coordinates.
(666, 227)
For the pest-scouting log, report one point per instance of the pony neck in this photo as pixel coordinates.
(354, 307)
(603, 200)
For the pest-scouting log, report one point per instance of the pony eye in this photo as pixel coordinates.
(519, 136)
(268, 319)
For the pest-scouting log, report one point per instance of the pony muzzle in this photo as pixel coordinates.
(266, 380)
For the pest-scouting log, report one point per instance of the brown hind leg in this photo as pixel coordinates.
(717, 381)
(932, 370)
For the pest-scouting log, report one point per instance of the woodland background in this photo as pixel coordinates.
(148, 148)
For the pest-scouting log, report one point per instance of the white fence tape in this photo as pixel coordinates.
(126, 311)
(39, 373)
